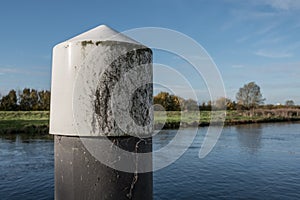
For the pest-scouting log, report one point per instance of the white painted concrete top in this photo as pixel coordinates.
(102, 33)
(77, 74)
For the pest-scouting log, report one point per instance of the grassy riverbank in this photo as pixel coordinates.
(38, 121)
(24, 122)
(174, 118)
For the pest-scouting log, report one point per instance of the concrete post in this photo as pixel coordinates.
(101, 116)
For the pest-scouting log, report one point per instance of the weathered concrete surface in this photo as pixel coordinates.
(87, 72)
(78, 175)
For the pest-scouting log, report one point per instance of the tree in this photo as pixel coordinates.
(190, 105)
(289, 103)
(44, 100)
(9, 102)
(169, 102)
(29, 99)
(249, 96)
(25, 102)
(224, 103)
(231, 105)
(34, 99)
(206, 106)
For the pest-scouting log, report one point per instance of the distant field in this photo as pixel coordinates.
(24, 122)
(38, 121)
(24, 115)
(203, 118)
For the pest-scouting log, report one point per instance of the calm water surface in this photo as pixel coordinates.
(26, 168)
(249, 162)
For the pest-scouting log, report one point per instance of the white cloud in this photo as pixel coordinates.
(281, 4)
(267, 29)
(270, 40)
(26, 71)
(250, 14)
(8, 70)
(243, 38)
(272, 54)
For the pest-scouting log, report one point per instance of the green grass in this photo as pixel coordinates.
(38, 121)
(204, 118)
(24, 122)
(24, 115)
(175, 116)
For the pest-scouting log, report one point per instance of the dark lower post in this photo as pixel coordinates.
(79, 175)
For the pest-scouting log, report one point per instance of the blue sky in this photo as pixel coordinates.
(254, 40)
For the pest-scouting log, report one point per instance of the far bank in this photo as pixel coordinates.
(37, 122)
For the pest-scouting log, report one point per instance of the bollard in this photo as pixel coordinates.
(101, 117)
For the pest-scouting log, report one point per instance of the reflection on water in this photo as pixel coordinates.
(249, 136)
(26, 167)
(258, 161)
(163, 138)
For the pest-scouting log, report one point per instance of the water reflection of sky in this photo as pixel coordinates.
(258, 161)
(249, 137)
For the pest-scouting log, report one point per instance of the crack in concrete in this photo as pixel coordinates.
(135, 176)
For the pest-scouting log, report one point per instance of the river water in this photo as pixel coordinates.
(258, 161)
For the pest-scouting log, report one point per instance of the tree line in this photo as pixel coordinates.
(169, 102)
(25, 100)
(248, 97)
